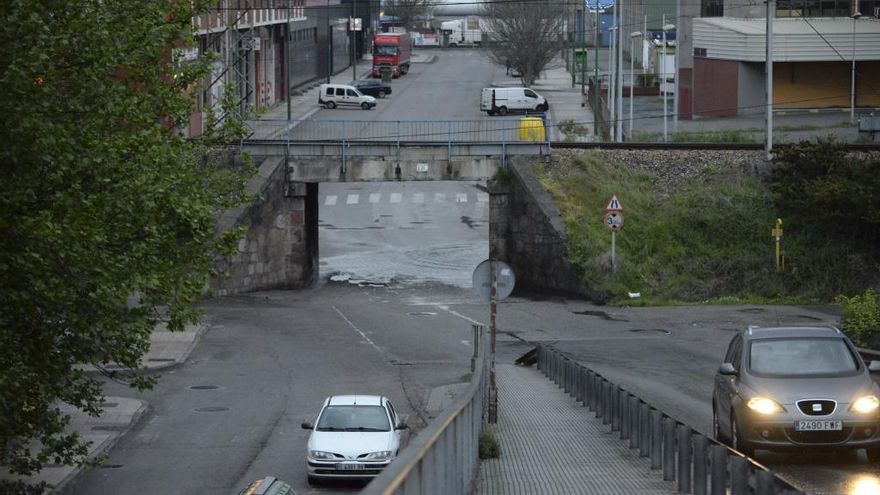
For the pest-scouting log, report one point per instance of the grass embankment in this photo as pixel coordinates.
(706, 239)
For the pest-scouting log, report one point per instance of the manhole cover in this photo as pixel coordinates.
(660, 331)
(422, 313)
(212, 409)
(204, 387)
(752, 310)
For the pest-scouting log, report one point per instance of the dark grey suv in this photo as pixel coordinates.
(796, 388)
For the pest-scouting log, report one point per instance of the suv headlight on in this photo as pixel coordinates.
(320, 454)
(762, 405)
(379, 456)
(866, 404)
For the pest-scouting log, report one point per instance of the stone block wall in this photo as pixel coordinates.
(280, 248)
(526, 231)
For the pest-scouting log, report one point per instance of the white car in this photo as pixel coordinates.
(354, 436)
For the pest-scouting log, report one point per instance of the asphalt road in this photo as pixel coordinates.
(392, 315)
(435, 101)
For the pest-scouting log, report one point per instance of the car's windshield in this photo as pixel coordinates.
(801, 356)
(384, 50)
(354, 418)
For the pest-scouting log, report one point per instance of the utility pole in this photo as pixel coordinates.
(353, 41)
(618, 96)
(329, 43)
(676, 68)
(768, 146)
(596, 103)
(287, 63)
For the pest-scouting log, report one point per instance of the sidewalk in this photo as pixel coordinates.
(120, 414)
(552, 445)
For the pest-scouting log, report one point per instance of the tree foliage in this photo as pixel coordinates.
(828, 191)
(527, 36)
(407, 11)
(108, 213)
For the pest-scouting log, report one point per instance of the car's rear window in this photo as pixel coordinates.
(801, 356)
(354, 418)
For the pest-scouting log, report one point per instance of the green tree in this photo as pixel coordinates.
(108, 213)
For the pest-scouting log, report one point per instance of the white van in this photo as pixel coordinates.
(504, 100)
(333, 95)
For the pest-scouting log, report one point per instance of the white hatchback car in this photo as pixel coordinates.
(354, 436)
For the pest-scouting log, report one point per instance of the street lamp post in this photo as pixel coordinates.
(287, 62)
(666, 28)
(612, 79)
(852, 92)
(618, 96)
(632, 77)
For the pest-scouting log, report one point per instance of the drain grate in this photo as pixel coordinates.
(600, 314)
(212, 409)
(422, 313)
(661, 331)
(204, 387)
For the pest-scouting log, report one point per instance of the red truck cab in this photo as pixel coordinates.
(391, 50)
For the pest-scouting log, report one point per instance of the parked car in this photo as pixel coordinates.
(501, 101)
(268, 486)
(333, 95)
(372, 88)
(796, 388)
(354, 436)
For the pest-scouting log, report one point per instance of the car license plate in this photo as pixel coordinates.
(818, 425)
(344, 466)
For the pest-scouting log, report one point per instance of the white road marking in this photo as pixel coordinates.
(396, 197)
(456, 313)
(352, 199)
(439, 197)
(466, 342)
(330, 201)
(482, 197)
(375, 197)
(358, 330)
(418, 198)
(461, 198)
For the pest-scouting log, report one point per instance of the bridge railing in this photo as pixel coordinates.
(444, 457)
(500, 129)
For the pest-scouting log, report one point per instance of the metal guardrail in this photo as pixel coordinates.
(444, 457)
(496, 130)
(699, 464)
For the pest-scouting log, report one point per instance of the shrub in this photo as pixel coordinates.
(861, 317)
(489, 447)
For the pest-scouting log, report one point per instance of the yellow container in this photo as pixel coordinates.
(531, 129)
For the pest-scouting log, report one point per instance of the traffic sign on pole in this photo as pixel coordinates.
(614, 203)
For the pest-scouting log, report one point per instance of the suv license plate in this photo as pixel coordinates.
(818, 425)
(349, 467)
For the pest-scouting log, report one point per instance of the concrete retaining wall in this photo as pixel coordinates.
(527, 232)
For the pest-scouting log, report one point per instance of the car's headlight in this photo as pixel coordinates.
(378, 456)
(763, 405)
(320, 454)
(866, 404)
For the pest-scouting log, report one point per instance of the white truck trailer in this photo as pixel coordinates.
(466, 31)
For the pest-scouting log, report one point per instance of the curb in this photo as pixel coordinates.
(76, 471)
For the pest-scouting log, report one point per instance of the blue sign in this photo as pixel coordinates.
(599, 4)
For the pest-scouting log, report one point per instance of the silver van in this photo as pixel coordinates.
(333, 95)
(505, 100)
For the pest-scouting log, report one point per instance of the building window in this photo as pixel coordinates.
(712, 8)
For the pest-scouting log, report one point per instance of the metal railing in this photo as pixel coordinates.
(494, 130)
(699, 464)
(444, 457)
